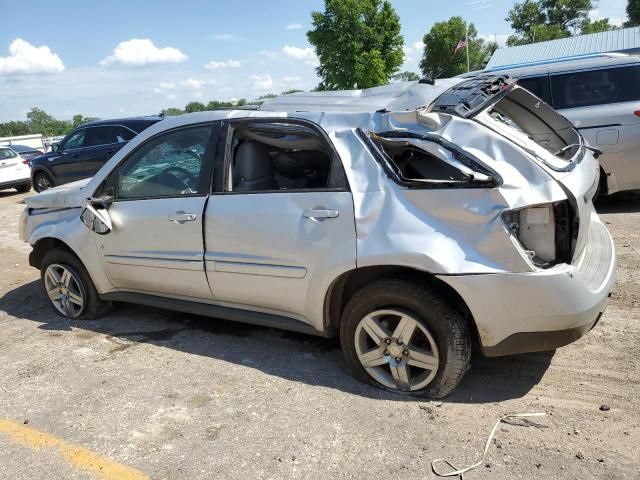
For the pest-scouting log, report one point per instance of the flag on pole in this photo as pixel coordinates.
(461, 44)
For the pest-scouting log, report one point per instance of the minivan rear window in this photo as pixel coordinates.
(596, 87)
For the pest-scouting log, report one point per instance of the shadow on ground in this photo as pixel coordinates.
(297, 357)
(627, 202)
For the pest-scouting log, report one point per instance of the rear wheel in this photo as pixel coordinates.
(69, 288)
(398, 335)
(42, 181)
(24, 188)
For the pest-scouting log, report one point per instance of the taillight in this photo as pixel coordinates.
(637, 113)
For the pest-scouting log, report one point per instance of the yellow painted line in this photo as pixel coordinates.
(79, 457)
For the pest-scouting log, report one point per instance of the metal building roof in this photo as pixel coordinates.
(621, 40)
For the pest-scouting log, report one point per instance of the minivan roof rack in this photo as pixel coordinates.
(558, 60)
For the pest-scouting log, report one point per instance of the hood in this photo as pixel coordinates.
(69, 195)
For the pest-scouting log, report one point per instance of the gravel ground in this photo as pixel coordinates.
(179, 396)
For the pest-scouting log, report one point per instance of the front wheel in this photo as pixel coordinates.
(398, 335)
(69, 288)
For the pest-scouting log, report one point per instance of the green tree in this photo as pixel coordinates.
(542, 20)
(171, 111)
(293, 90)
(41, 122)
(358, 43)
(406, 77)
(440, 58)
(595, 26)
(194, 107)
(633, 12)
(80, 120)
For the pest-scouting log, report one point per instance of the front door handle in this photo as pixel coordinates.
(181, 217)
(320, 214)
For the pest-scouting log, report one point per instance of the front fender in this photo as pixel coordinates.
(65, 226)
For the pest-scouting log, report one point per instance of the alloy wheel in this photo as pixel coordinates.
(396, 349)
(65, 290)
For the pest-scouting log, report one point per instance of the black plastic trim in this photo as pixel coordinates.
(216, 311)
(527, 342)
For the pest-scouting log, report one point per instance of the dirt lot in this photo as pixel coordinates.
(145, 392)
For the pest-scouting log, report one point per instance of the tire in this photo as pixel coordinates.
(428, 357)
(41, 180)
(24, 188)
(79, 285)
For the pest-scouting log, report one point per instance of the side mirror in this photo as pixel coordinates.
(96, 219)
(55, 147)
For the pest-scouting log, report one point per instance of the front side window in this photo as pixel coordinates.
(281, 157)
(170, 165)
(596, 87)
(76, 140)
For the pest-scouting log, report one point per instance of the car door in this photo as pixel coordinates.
(159, 194)
(277, 237)
(67, 166)
(101, 143)
(603, 104)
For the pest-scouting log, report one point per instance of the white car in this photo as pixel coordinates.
(14, 171)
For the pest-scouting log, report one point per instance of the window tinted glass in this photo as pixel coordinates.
(596, 87)
(281, 157)
(100, 136)
(123, 134)
(76, 140)
(6, 153)
(539, 86)
(168, 166)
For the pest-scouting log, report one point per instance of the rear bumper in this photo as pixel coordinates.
(542, 310)
(15, 183)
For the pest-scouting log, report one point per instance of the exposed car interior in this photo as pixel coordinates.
(269, 156)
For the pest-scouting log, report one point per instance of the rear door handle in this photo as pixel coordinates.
(320, 214)
(181, 217)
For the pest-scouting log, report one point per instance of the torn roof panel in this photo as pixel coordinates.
(395, 97)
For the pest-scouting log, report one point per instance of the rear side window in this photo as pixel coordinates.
(6, 153)
(279, 157)
(539, 86)
(596, 87)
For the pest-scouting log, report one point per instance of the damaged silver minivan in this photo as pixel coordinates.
(413, 220)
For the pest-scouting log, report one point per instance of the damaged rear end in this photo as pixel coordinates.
(515, 182)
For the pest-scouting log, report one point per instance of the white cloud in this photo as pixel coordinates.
(171, 96)
(304, 54)
(213, 65)
(261, 82)
(167, 85)
(192, 83)
(142, 51)
(227, 37)
(595, 15)
(418, 46)
(293, 79)
(26, 58)
(294, 26)
(499, 38)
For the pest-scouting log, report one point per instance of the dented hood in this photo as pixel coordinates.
(69, 195)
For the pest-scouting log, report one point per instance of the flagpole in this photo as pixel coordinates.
(466, 25)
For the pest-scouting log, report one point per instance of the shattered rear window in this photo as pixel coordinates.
(422, 161)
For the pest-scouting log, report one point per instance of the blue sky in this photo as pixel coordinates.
(122, 58)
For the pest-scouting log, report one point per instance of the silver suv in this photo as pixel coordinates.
(412, 220)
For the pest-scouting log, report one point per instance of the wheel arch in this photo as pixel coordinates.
(43, 246)
(343, 287)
